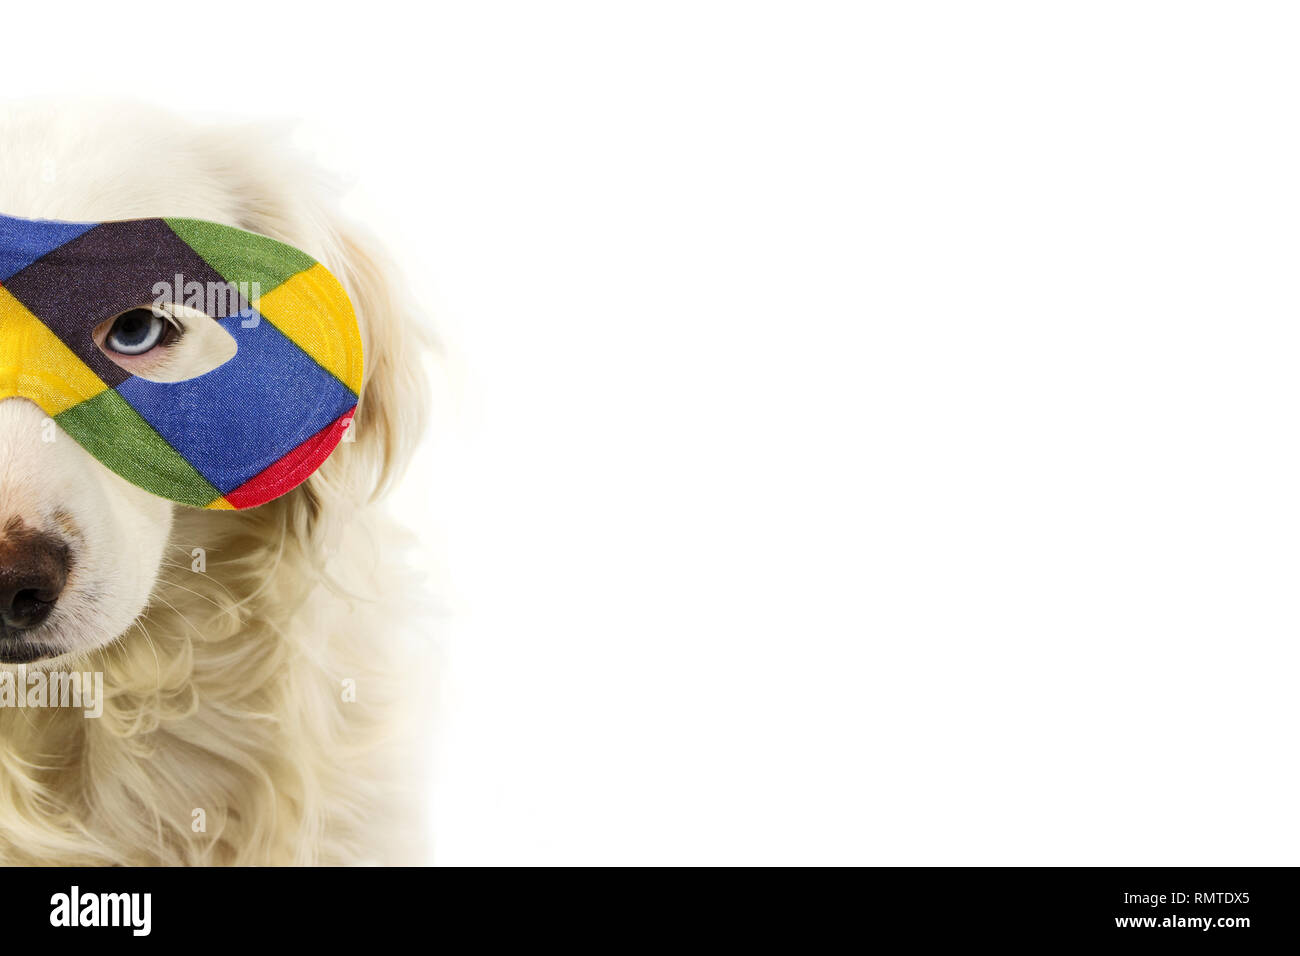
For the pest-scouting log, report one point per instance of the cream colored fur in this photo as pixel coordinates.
(226, 694)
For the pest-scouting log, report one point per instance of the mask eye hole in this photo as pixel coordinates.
(138, 332)
(166, 343)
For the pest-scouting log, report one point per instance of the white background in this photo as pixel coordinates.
(871, 429)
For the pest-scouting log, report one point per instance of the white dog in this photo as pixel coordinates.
(256, 700)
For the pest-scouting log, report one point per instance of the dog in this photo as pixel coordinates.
(262, 703)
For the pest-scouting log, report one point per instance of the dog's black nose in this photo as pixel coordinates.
(33, 571)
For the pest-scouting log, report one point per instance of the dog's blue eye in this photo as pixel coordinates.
(136, 332)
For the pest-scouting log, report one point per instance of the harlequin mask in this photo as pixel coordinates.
(247, 431)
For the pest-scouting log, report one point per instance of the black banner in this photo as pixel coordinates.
(1178, 906)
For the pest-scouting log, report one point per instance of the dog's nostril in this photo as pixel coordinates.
(30, 608)
(33, 571)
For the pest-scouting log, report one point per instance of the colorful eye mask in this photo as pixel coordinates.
(237, 436)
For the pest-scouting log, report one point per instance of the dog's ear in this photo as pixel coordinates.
(393, 409)
(394, 403)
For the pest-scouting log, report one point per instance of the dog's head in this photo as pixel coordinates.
(81, 549)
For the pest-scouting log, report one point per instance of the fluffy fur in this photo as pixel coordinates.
(226, 693)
